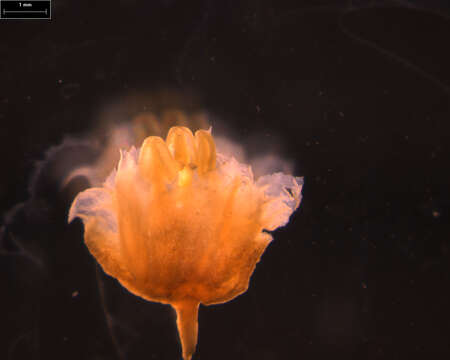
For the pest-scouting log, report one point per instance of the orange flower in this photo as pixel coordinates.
(179, 224)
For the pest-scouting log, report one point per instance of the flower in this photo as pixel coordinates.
(178, 223)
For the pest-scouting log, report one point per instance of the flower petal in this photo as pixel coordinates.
(284, 196)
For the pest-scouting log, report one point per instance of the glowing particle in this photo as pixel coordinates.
(180, 224)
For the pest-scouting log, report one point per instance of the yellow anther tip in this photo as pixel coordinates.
(155, 161)
(181, 144)
(206, 151)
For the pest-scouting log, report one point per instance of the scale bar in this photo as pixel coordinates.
(22, 10)
(28, 12)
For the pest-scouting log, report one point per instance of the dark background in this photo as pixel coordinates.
(357, 92)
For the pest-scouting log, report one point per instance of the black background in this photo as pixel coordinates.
(356, 92)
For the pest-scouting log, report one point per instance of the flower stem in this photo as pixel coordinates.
(187, 323)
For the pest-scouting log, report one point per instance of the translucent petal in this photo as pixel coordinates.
(94, 203)
(284, 196)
